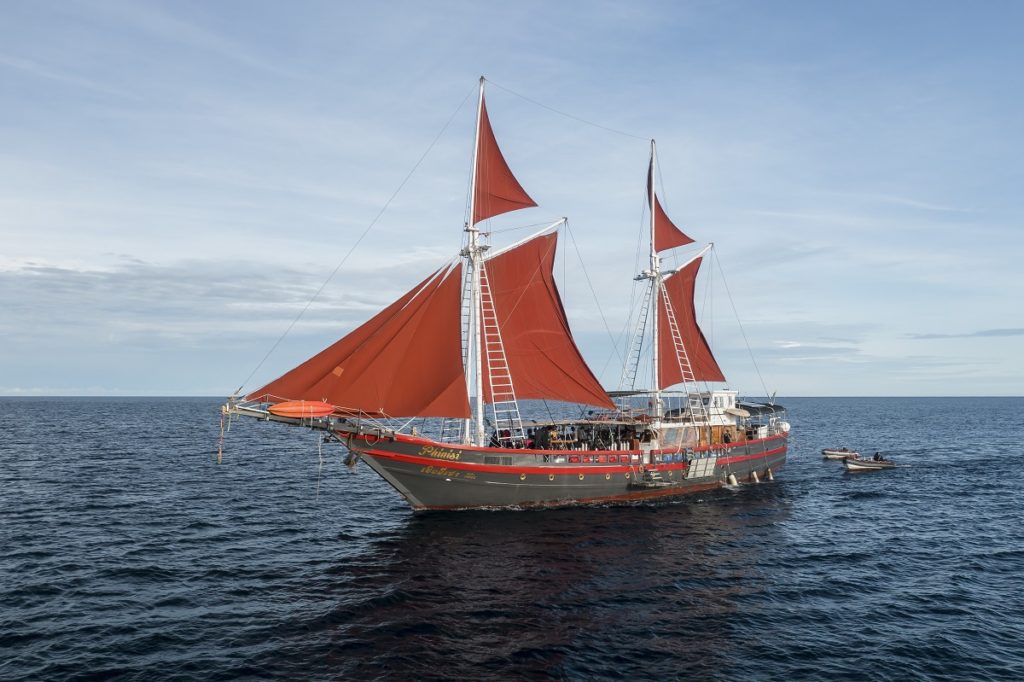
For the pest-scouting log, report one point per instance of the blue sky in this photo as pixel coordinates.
(178, 178)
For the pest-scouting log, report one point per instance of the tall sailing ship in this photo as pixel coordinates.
(458, 352)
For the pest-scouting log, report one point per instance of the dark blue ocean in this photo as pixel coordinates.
(127, 552)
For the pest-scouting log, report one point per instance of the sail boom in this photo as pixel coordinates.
(510, 247)
(699, 254)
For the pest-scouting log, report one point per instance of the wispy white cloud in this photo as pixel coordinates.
(984, 333)
(36, 69)
(914, 203)
(173, 27)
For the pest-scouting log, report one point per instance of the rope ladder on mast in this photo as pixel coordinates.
(631, 367)
(694, 401)
(453, 429)
(508, 423)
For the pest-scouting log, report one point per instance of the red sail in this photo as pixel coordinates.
(542, 356)
(405, 361)
(680, 288)
(497, 190)
(666, 234)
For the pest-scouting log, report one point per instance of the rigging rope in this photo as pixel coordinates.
(590, 284)
(220, 445)
(635, 296)
(320, 454)
(562, 113)
(732, 303)
(362, 236)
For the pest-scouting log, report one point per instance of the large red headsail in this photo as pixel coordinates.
(666, 234)
(497, 190)
(405, 361)
(680, 288)
(542, 356)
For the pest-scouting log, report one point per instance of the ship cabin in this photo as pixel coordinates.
(705, 418)
(716, 417)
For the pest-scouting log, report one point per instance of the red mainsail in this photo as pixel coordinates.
(497, 190)
(405, 361)
(680, 289)
(543, 358)
(666, 234)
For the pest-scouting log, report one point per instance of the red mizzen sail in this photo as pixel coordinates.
(666, 234)
(405, 361)
(680, 288)
(543, 358)
(497, 190)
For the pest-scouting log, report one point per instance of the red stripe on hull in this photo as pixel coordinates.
(553, 467)
(557, 469)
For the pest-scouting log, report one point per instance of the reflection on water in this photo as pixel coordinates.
(627, 586)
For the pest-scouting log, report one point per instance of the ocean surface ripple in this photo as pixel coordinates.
(129, 553)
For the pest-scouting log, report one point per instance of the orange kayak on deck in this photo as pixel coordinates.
(302, 409)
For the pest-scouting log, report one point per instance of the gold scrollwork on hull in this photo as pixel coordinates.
(440, 471)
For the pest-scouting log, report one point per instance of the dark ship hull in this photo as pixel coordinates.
(433, 475)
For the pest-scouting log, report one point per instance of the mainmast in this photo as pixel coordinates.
(655, 276)
(474, 255)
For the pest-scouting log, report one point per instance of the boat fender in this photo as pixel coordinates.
(753, 477)
(769, 476)
(732, 479)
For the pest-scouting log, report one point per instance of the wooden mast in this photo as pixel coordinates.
(655, 274)
(474, 254)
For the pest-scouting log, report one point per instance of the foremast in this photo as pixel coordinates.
(654, 275)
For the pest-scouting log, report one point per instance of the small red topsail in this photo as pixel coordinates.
(497, 190)
(666, 234)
